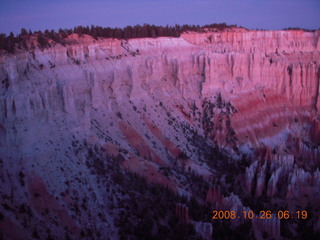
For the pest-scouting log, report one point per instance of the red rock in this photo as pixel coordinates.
(163, 139)
(150, 171)
(315, 131)
(12, 231)
(41, 200)
(214, 196)
(182, 212)
(137, 142)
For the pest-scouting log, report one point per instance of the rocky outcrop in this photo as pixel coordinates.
(265, 173)
(182, 212)
(239, 40)
(203, 229)
(267, 228)
(214, 197)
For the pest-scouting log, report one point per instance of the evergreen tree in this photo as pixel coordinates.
(93, 32)
(10, 42)
(2, 41)
(42, 41)
(137, 31)
(23, 32)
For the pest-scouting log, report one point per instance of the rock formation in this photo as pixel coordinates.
(182, 212)
(237, 109)
(203, 229)
(269, 227)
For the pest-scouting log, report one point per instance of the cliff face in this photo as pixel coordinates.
(268, 65)
(155, 106)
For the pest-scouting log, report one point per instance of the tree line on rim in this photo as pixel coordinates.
(9, 42)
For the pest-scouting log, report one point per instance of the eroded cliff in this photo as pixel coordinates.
(167, 109)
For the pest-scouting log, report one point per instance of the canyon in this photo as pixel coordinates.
(109, 138)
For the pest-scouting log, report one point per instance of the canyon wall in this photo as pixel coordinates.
(278, 69)
(168, 110)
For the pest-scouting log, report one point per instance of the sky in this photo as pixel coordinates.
(254, 14)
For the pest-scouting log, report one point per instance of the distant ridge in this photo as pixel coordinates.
(138, 31)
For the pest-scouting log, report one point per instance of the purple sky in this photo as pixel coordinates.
(55, 14)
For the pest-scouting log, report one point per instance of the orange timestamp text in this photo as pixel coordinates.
(260, 215)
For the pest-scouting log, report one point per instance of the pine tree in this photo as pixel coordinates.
(2, 41)
(42, 41)
(23, 32)
(10, 42)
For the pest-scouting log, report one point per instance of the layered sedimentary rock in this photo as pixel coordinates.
(282, 68)
(166, 109)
